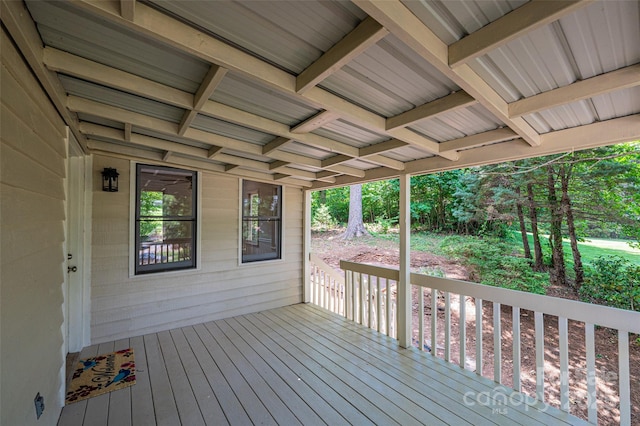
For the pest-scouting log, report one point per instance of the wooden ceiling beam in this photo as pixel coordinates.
(449, 103)
(17, 20)
(526, 18)
(622, 78)
(326, 179)
(128, 9)
(403, 23)
(171, 149)
(381, 147)
(365, 35)
(213, 151)
(128, 152)
(127, 131)
(181, 36)
(429, 145)
(383, 161)
(66, 63)
(275, 144)
(208, 86)
(479, 139)
(256, 122)
(276, 165)
(603, 133)
(335, 160)
(187, 119)
(319, 120)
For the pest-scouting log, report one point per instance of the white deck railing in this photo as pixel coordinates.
(367, 295)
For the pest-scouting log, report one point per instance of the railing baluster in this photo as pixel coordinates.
(421, 318)
(387, 307)
(478, 336)
(623, 381)
(463, 330)
(563, 331)
(347, 293)
(332, 294)
(497, 344)
(590, 348)
(515, 321)
(379, 301)
(370, 302)
(447, 326)
(394, 315)
(434, 322)
(327, 294)
(539, 325)
(361, 299)
(321, 293)
(318, 282)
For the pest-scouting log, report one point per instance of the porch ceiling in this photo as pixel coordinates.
(324, 93)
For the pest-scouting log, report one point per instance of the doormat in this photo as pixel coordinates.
(101, 374)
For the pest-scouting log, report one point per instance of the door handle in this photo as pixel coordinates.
(72, 269)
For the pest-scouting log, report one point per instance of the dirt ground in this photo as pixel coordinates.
(329, 247)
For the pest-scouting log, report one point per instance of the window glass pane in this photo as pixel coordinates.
(165, 219)
(169, 242)
(261, 221)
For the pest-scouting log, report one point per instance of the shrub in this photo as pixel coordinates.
(612, 281)
(322, 219)
(497, 263)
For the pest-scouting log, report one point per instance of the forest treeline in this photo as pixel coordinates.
(573, 196)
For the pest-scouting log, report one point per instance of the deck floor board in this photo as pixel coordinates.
(294, 365)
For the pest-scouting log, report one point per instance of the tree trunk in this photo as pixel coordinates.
(538, 264)
(523, 227)
(355, 226)
(557, 274)
(567, 209)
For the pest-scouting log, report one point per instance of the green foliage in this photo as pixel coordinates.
(612, 281)
(383, 225)
(496, 262)
(150, 205)
(322, 219)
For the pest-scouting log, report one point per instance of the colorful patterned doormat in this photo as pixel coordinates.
(102, 374)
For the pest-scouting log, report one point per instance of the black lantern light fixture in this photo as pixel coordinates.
(110, 180)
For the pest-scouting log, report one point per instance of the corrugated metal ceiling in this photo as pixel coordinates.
(388, 79)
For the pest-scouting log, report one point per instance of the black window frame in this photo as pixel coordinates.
(260, 219)
(179, 265)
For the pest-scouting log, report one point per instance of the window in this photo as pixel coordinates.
(165, 219)
(261, 221)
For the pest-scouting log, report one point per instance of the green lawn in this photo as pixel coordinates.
(592, 248)
(589, 249)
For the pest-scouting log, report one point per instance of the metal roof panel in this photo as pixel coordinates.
(65, 28)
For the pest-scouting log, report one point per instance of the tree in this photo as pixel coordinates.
(557, 275)
(355, 226)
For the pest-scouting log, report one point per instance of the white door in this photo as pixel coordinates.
(77, 300)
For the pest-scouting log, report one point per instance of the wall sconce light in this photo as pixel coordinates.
(110, 180)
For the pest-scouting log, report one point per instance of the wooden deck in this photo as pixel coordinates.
(295, 365)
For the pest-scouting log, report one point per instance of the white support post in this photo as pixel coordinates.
(404, 283)
(306, 268)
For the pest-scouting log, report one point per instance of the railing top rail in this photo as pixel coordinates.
(378, 271)
(326, 268)
(604, 316)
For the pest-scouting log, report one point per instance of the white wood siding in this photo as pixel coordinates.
(32, 211)
(124, 307)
